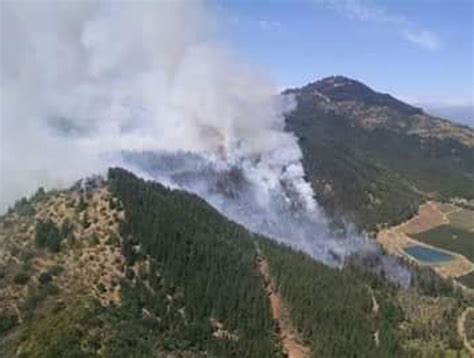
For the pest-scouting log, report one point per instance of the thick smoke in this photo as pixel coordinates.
(151, 86)
(282, 216)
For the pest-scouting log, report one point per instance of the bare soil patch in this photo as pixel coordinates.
(375, 312)
(429, 216)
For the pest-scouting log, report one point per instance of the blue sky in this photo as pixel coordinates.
(420, 51)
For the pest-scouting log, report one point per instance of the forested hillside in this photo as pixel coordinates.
(372, 158)
(201, 266)
(129, 268)
(353, 313)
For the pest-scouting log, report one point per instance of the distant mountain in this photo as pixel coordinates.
(373, 158)
(127, 268)
(460, 114)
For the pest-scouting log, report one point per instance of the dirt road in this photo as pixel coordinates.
(375, 312)
(462, 330)
(293, 347)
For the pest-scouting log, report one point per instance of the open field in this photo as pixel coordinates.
(462, 219)
(450, 238)
(429, 216)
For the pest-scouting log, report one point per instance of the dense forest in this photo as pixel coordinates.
(333, 309)
(204, 262)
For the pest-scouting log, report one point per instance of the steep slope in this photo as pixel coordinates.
(125, 267)
(373, 158)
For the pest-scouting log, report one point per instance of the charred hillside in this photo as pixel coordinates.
(373, 158)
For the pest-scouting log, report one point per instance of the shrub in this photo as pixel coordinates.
(66, 227)
(113, 240)
(27, 265)
(39, 195)
(94, 240)
(21, 278)
(82, 205)
(48, 236)
(45, 278)
(24, 208)
(130, 274)
(101, 287)
(55, 270)
(49, 289)
(7, 321)
(27, 255)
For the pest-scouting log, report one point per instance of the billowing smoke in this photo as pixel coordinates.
(84, 80)
(151, 86)
(282, 216)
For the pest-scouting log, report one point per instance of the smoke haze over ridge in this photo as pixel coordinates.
(82, 83)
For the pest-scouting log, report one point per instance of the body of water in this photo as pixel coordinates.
(425, 254)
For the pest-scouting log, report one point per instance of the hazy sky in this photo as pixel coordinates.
(421, 51)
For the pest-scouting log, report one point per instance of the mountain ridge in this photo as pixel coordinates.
(339, 88)
(370, 109)
(372, 158)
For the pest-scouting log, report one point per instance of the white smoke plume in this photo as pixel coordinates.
(149, 84)
(82, 80)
